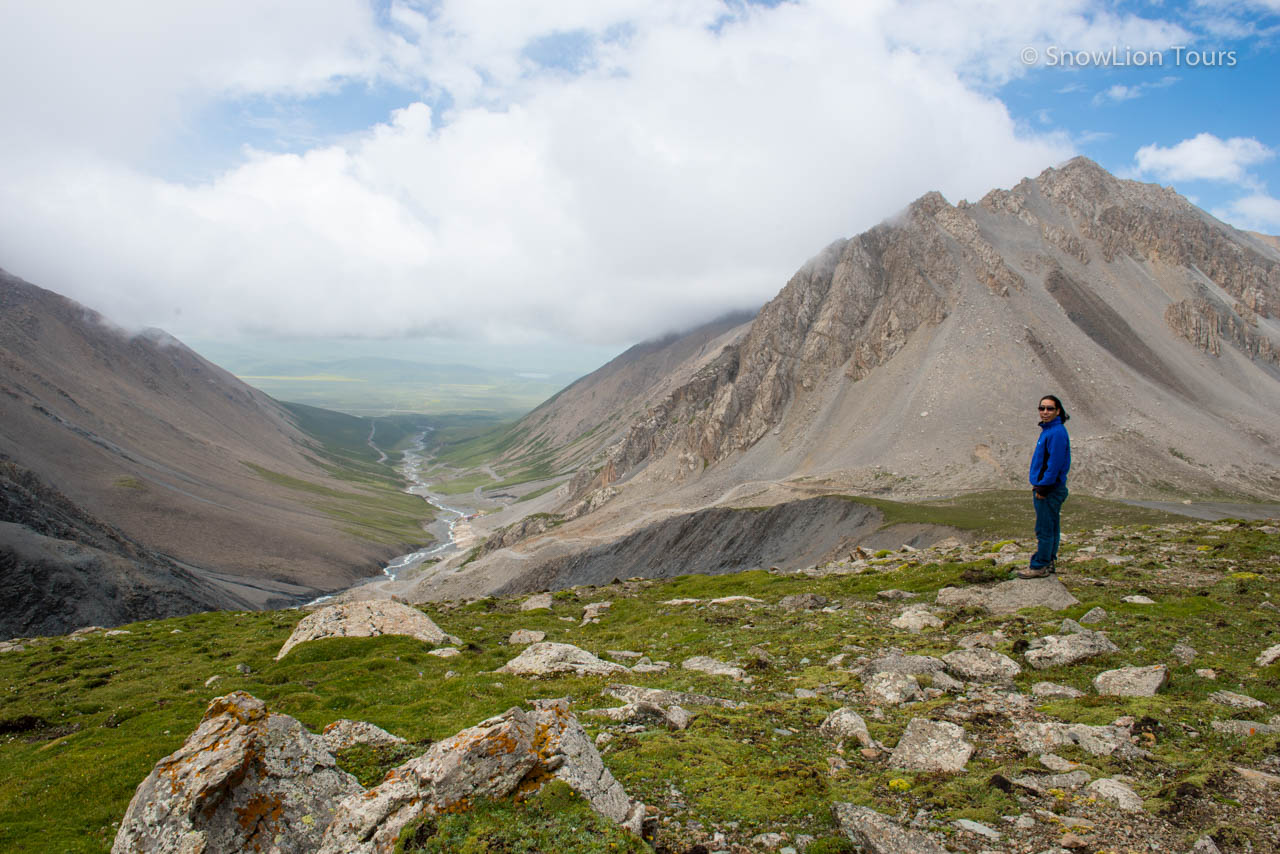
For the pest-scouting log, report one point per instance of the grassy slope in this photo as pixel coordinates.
(83, 722)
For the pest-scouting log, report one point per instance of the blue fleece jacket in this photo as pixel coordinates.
(1052, 457)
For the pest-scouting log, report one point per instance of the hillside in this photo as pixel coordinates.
(1039, 754)
(906, 362)
(183, 461)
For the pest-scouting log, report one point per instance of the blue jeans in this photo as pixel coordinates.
(1048, 525)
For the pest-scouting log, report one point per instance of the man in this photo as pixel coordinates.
(1048, 475)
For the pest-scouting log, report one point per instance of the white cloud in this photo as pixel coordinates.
(1204, 157)
(692, 166)
(1257, 212)
(1121, 92)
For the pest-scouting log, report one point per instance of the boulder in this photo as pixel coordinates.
(1269, 656)
(892, 689)
(1236, 701)
(342, 734)
(846, 723)
(1009, 597)
(490, 760)
(1245, 729)
(985, 640)
(916, 619)
(1093, 616)
(737, 600)
(545, 658)
(536, 602)
(895, 662)
(1043, 784)
(1131, 681)
(1184, 653)
(879, 834)
(594, 611)
(634, 693)
(707, 664)
(524, 637)
(1116, 793)
(363, 620)
(932, 746)
(803, 602)
(981, 665)
(893, 594)
(1139, 600)
(1044, 737)
(673, 717)
(1054, 691)
(1060, 650)
(245, 780)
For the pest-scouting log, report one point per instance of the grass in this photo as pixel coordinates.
(82, 723)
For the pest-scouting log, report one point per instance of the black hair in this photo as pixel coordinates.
(1062, 412)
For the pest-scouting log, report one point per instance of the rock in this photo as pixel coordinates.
(1054, 691)
(1269, 656)
(1244, 729)
(1183, 653)
(11, 646)
(623, 653)
(243, 669)
(489, 760)
(342, 734)
(932, 746)
(846, 723)
(1139, 600)
(707, 664)
(1131, 681)
(895, 662)
(734, 600)
(891, 689)
(536, 602)
(1070, 626)
(1236, 701)
(523, 637)
(981, 665)
(944, 682)
(643, 710)
(1060, 650)
(245, 780)
(894, 595)
(1207, 673)
(1054, 762)
(1093, 616)
(677, 717)
(114, 633)
(545, 657)
(916, 619)
(1044, 737)
(1205, 845)
(1258, 779)
(803, 602)
(1009, 597)
(85, 631)
(644, 665)
(633, 693)
(983, 640)
(363, 620)
(593, 611)
(681, 601)
(445, 652)
(978, 828)
(1076, 842)
(1043, 784)
(879, 834)
(768, 841)
(1115, 793)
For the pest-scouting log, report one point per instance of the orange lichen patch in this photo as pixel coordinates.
(260, 809)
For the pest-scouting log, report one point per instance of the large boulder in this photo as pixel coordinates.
(364, 620)
(516, 749)
(344, 733)
(545, 658)
(932, 746)
(981, 665)
(245, 780)
(1045, 737)
(1061, 650)
(658, 696)
(1009, 597)
(845, 722)
(712, 667)
(894, 661)
(1131, 681)
(879, 834)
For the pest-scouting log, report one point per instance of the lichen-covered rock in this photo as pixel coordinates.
(1131, 681)
(1061, 650)
(981, 665)
(1236, 701)
(879, 834)
(363, 620)
(1054, 691)
(536, 602)
(892, 689)
(1044, 737)
(543, 658)
(916, 619)
(1043, 784)
(1116, 793)
(1268, 656)
(658, 696)
(1009, 597)
(245, 780)
(516, 750)
(846, 723)
(895, 662)
(932, 746)
(712, 667)
(523, 637)
(342, 734)
(803, 602)
(593, 611)
(1093, 616)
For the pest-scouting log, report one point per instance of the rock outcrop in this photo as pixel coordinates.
(545, 658)
(245, 780)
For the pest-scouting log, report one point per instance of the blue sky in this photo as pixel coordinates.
(583, 172)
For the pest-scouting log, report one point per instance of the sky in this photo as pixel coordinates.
(571, 176)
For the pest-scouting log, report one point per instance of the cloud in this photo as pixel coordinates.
(1121, 92)
(1257, 212)
(661, 163)
(1204, 157)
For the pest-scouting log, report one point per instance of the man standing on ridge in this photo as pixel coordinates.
(1049, 465)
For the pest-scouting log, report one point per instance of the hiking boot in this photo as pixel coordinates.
(1036, 572)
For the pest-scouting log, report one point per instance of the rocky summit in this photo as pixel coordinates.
(770, 727)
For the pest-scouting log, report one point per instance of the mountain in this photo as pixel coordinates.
(192, 471)
(907, 361)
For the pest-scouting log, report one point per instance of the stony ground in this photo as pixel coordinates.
(865, 682)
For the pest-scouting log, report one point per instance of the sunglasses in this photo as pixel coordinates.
(1046, 408)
